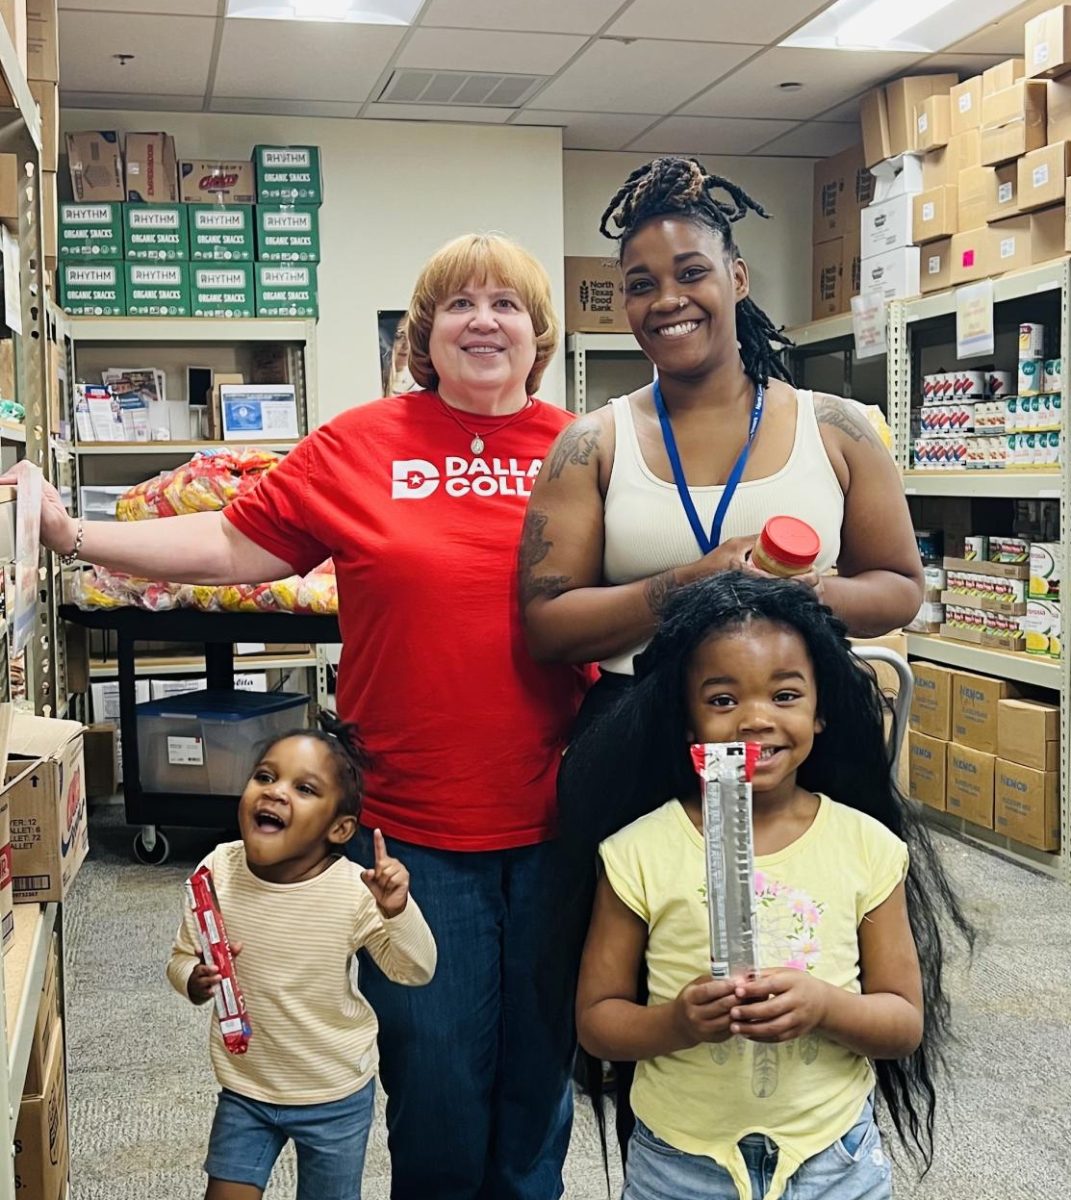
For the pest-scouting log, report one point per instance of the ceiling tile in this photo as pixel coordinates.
(815, 139)
(459, 114)
(709, 135)
(701, 20)
(178, 8)
(651, 76)
(965, 65)
(89, 39)
(285, 108)
(310, 61)
(829, 77)
(125, 100)
(1004, 37)
(483, 50)
(848, 111)
(548, 16)
(590, 131)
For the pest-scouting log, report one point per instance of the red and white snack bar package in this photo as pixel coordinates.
(230, 1003)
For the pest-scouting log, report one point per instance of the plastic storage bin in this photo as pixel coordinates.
(207, 742)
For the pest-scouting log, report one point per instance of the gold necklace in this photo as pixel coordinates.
(477, 443)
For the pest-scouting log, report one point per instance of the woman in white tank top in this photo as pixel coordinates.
(608, 534)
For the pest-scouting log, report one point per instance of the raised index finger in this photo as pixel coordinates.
(380, 845)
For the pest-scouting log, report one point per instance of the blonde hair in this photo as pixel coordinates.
(479, 257)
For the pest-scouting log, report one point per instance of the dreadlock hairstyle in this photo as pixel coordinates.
(347, 753)
(680, 187)
(635, 757)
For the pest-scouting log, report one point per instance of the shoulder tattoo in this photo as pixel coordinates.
(574, 447)
(833, 411)
(534, 548)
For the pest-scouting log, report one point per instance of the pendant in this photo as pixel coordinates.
(476, 445)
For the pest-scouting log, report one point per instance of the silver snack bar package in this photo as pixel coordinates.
(728, 840)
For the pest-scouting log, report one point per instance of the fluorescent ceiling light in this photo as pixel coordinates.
(356, 12)
(912, 26)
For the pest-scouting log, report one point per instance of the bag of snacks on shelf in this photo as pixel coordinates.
(211, 480)
(99, 588)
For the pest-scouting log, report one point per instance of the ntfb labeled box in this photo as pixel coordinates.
(927, 769)
(931, 700)
(155, 233)
(222, 290)
(288, 174)
(594, 302)
(970, 784)
(90, 231)
(286, 290)
(288, 233)
(49, 833)
(157, 289)
(95, 289)
(975, 709)
(221, 233)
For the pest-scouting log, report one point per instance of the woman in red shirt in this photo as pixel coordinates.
(419, 499)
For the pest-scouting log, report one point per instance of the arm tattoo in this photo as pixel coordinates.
(535, 548)
(575, 446)
(657, 590)
(832, 411)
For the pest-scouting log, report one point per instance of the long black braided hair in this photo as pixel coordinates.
(681, 187)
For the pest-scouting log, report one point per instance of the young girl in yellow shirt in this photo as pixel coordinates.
(761, 1088)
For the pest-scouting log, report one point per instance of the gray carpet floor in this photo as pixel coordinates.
(141, 1091)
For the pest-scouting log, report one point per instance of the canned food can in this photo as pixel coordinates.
(998, 384)
(1031, 376)
(1031, 340)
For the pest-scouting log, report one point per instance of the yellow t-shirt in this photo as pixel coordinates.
(811, 896)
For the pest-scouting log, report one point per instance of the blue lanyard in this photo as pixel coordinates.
(706, 544)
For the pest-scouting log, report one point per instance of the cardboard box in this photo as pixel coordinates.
(288, 174)
(96, 166)
(964, 150)
(7, 897)
(13, 15)
(10, 177)
(594, 301)
(1047, 234)
(1028, 733)
(894, 274)
(1026, 240)
(288, 233)
(1003, 75)
(42, 40)
(969, 253)
(42, 1147)
(842, 188)
(927, 769)
(1024, 101)
(886, 226)
(1003, 191)
(935, 170)
(221, 233)
(874, 120)
(935, 215)
(1058, 110)
(1042, 176)
(965, 106)
(931, 701)
(933, 123)
(827, 279)
(975, 700)
(971, 776)
(46, 1027)
(1048, 43)
(102, 775)
(935, 270)
(1027, 805)
(1044, 571)
(850, 273)
(157, 289)
(286, 290)
(902, 96)
(222, 290)
(212, 182)
(92, 288)
(49, 834)
(155, 233)
(1010, 142)
(901, 176)
(91, 231)
(974, 195)
(1041, 625)
(151, 169)
(46, 93)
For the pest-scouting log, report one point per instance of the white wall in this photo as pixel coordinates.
(778, 251)
(393, 192)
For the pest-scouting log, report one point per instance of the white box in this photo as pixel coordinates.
(106, 710)
(97, 502)
(892, 275)
(901, 176)
(885, 226)
(164, 689)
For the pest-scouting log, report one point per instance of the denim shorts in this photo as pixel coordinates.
(854, 1168)
(330, 1139)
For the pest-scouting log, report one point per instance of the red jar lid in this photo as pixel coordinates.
(790, 541)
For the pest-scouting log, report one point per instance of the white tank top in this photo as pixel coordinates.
(646, 530)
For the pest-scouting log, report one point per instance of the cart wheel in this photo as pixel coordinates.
(157, 855)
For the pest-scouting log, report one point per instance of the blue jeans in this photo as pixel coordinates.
(479, 1096)
(249, 1135)
(854, 1168)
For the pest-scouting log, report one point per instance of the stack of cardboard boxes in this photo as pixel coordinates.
(843, 187)
(152, 236)
(978, 751)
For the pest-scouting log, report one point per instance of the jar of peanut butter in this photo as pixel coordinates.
(787, 546)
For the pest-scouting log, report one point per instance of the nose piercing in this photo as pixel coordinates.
(682, 302)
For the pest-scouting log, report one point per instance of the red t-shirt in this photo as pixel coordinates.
(465, 729)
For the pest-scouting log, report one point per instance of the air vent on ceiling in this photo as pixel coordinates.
(478, 89)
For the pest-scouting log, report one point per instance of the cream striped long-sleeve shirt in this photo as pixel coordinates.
(314, 1039)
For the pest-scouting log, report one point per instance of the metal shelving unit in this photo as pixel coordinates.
(24, 965)
(596, 347)
(171, 449)
(153, 667)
